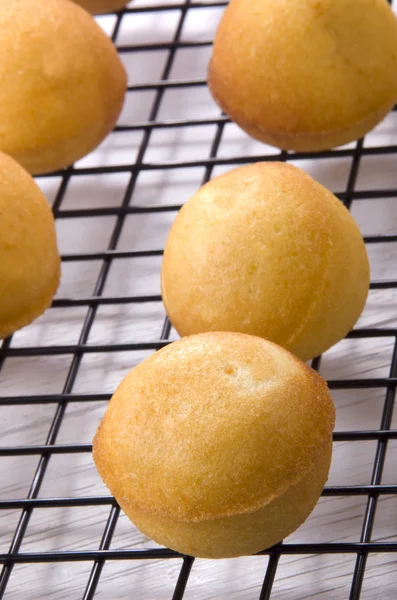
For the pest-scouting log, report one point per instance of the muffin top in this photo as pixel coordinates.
(213, 425)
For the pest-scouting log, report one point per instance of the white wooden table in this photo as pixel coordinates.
(336, 519)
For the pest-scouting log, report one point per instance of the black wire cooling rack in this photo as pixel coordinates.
(28, 505)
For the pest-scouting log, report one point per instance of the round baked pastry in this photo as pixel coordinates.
(29, 259)
(98, 7)
(305, 75)
(62, 83)
(266, 250)
(218, 445)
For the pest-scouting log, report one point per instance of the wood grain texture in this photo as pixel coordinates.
(335, 519)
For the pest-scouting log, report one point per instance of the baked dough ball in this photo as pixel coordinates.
(266, 250)
(218, 445)
(29, 259)
(305, 74)
(62, 83)
(98, 7)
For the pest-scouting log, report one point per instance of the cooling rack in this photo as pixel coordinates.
(62, 535)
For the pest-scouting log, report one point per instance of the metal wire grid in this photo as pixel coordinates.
(97, 557)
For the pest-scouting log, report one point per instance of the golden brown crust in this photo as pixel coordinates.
(343, 88)
(33, 310)
(63, 86)
(30, 263)
(266, 250)
(241, 534)
(304, 141)
(212, 426)
(98, 7)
